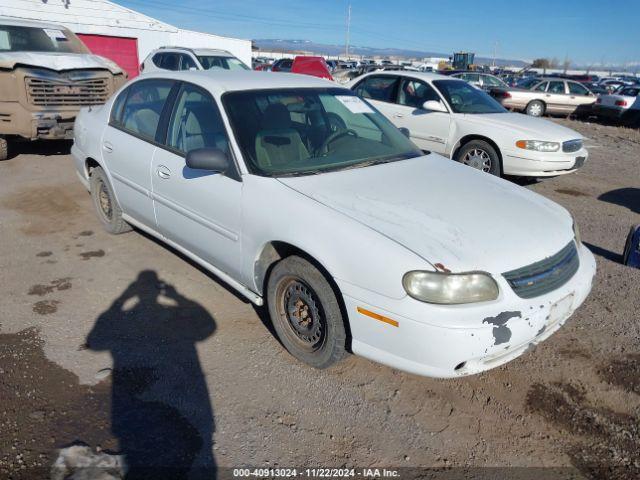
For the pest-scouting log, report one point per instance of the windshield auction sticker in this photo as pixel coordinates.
(354, 104)
(55, 35)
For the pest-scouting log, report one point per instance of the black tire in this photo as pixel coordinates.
(536, 108)
(105, 203)
(480, 155)
(298, 292)
(4, 148)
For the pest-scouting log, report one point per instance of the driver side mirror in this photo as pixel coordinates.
(211, 159)
(434, 106)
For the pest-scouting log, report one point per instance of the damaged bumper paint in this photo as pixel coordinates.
(456, 340)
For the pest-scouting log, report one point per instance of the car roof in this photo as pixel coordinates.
(428, 76)
(221, 81)
(197, 51)
(19, 22)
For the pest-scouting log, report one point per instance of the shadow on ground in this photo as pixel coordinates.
(161, 413)
(604, 253)
(625, 197)
(39, 147)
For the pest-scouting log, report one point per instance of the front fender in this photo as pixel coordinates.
(349, 251)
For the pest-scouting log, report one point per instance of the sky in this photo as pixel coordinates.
(585, 31)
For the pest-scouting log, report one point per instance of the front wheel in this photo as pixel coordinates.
(305, 313)
(480, 155)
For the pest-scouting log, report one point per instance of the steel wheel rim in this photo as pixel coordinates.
(478, 159)
(301, 314)
(104, 201)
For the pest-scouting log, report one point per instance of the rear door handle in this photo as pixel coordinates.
(107, 147)
(398, 115)
(163, 172)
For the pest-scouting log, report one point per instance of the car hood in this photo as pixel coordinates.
(58, 61)
(534, 128)
(445, 212)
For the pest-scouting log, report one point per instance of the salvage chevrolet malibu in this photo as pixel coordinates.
(305, 199)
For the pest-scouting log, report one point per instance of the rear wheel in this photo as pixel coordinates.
(480, 155)
(305, 312)
(4, 148)
(105, 202)
(536, 108)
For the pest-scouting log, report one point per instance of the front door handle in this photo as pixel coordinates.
(398, 115)
(107, 147)
(163, 172)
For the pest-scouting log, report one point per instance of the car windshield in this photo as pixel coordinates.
(210, 62)
(464, 98)
(306, 131)
(14, 38)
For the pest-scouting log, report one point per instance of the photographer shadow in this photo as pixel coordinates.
(161, 412)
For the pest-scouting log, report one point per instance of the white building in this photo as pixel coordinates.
(123, 35)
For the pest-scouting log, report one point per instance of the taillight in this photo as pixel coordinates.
(621, 103)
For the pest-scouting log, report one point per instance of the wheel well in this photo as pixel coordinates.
(89, 165)
(464, 140)
(544, 104)
(275, 251)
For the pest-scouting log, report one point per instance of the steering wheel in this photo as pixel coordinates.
(456, 99)
(324, 148)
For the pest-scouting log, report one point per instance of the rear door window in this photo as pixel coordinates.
(577, 89)
(556, 87)
(171, 61)
(413, 93)
(186, 62)
(143, 107)
(542, 87)
(381, 88)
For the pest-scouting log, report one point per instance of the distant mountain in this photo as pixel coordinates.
(324, 49)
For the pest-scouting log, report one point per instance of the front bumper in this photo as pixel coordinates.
(451, 341)
(48, 123)
(528, 163)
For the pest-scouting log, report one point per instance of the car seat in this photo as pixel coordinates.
(200, 128)
(278, 143)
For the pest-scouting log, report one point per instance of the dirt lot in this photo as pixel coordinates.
(82, 361)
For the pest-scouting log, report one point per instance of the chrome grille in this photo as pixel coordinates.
(546, 275)
(82, 92)
(571, 146)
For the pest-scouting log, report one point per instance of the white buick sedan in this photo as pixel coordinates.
(305, 199)
(451, 117)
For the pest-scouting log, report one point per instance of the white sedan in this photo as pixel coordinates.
(623, 106)
(450, 117)
(303, 198)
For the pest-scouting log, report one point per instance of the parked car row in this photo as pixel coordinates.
(396, 254)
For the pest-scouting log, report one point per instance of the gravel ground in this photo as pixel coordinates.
(81, 360)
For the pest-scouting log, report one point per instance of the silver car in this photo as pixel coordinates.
(553, 96)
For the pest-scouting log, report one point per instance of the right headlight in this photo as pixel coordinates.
(450, 288)
(538, 145)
